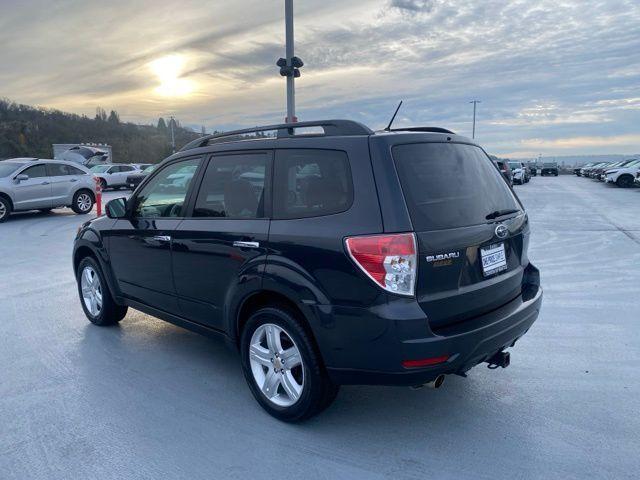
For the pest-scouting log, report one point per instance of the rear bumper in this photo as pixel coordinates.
(375, 355)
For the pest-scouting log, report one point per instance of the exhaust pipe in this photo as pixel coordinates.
(435, 383)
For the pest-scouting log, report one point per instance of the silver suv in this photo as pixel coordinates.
(34, 184)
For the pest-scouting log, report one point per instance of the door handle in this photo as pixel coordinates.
(162, 238)
(240, 244)
(73, 180)
(44, 183)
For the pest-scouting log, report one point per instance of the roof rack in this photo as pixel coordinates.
(423, 129)
(287, 130)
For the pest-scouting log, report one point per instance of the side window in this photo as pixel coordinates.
(233, 186)
(164, 195)
(37, 171)
(56, 169)
(311, 183)
(126, 168)
(74, 171)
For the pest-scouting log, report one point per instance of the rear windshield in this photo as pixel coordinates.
(449, 185)
(7, 168)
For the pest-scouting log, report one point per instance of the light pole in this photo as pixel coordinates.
(289, 67)
(291, 90)
(173, 138)
(475, 102)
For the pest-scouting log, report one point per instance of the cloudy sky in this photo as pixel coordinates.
(554, 76)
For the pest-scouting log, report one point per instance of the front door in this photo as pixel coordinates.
(140, 245)
(35, 192)
(221, 248)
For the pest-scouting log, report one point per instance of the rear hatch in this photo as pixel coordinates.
(471, 230)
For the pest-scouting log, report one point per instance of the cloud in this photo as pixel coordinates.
(412, 5)
(544, 70)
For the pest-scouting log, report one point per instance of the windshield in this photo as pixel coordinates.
(449, 185)
(551, 165)
(514, 165)
(100, 168)
(7, 168)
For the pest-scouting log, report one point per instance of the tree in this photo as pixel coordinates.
(162, 125)
(114, 118)
(101, 114)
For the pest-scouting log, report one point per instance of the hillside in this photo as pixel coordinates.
(26, 131)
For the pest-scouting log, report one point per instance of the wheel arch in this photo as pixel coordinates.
(7, 197)
(91, 245)
(264, 298)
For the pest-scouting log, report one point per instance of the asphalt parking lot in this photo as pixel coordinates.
(149, 400)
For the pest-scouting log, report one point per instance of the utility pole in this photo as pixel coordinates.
(289, 67)
(173, 138)
(475, 102)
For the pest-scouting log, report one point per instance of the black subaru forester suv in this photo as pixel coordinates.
(340, 256)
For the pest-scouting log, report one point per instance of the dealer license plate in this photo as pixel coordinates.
(494, 259)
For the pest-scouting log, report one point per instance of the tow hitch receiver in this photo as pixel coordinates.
(499, 359)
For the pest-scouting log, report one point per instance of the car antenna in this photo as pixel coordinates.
(388, 129)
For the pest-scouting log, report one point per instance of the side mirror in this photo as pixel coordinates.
(22, 177)
(116, 208)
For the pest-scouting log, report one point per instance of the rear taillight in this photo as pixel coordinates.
(389, 260)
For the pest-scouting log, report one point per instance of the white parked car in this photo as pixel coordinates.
(112, 175)
(519, 172)
(623, 176)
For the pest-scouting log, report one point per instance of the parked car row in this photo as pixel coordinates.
(514, 172)
(622, 173)
(115, 176)
(36, 184)
(43, 184)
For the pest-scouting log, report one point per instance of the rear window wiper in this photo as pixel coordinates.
(500, 213)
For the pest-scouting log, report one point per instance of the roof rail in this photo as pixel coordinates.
(287, 130)
(423, 129)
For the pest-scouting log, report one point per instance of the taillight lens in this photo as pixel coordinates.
(389, 260)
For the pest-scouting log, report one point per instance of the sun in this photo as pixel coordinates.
(169, 69)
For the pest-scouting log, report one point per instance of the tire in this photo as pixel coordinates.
(313, 389)
(624, 181)
(102, 314)
(82, 202)
(5, 209)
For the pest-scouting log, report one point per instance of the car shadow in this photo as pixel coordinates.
(146, 364)
(36, 214)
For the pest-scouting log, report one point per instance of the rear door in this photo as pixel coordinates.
(34, 192)
(470, 227)
(64, 180)
(220, 248)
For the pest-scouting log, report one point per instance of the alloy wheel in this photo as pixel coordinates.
(84, 202)
(91, 290)
(276, 365)
(3, 210)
